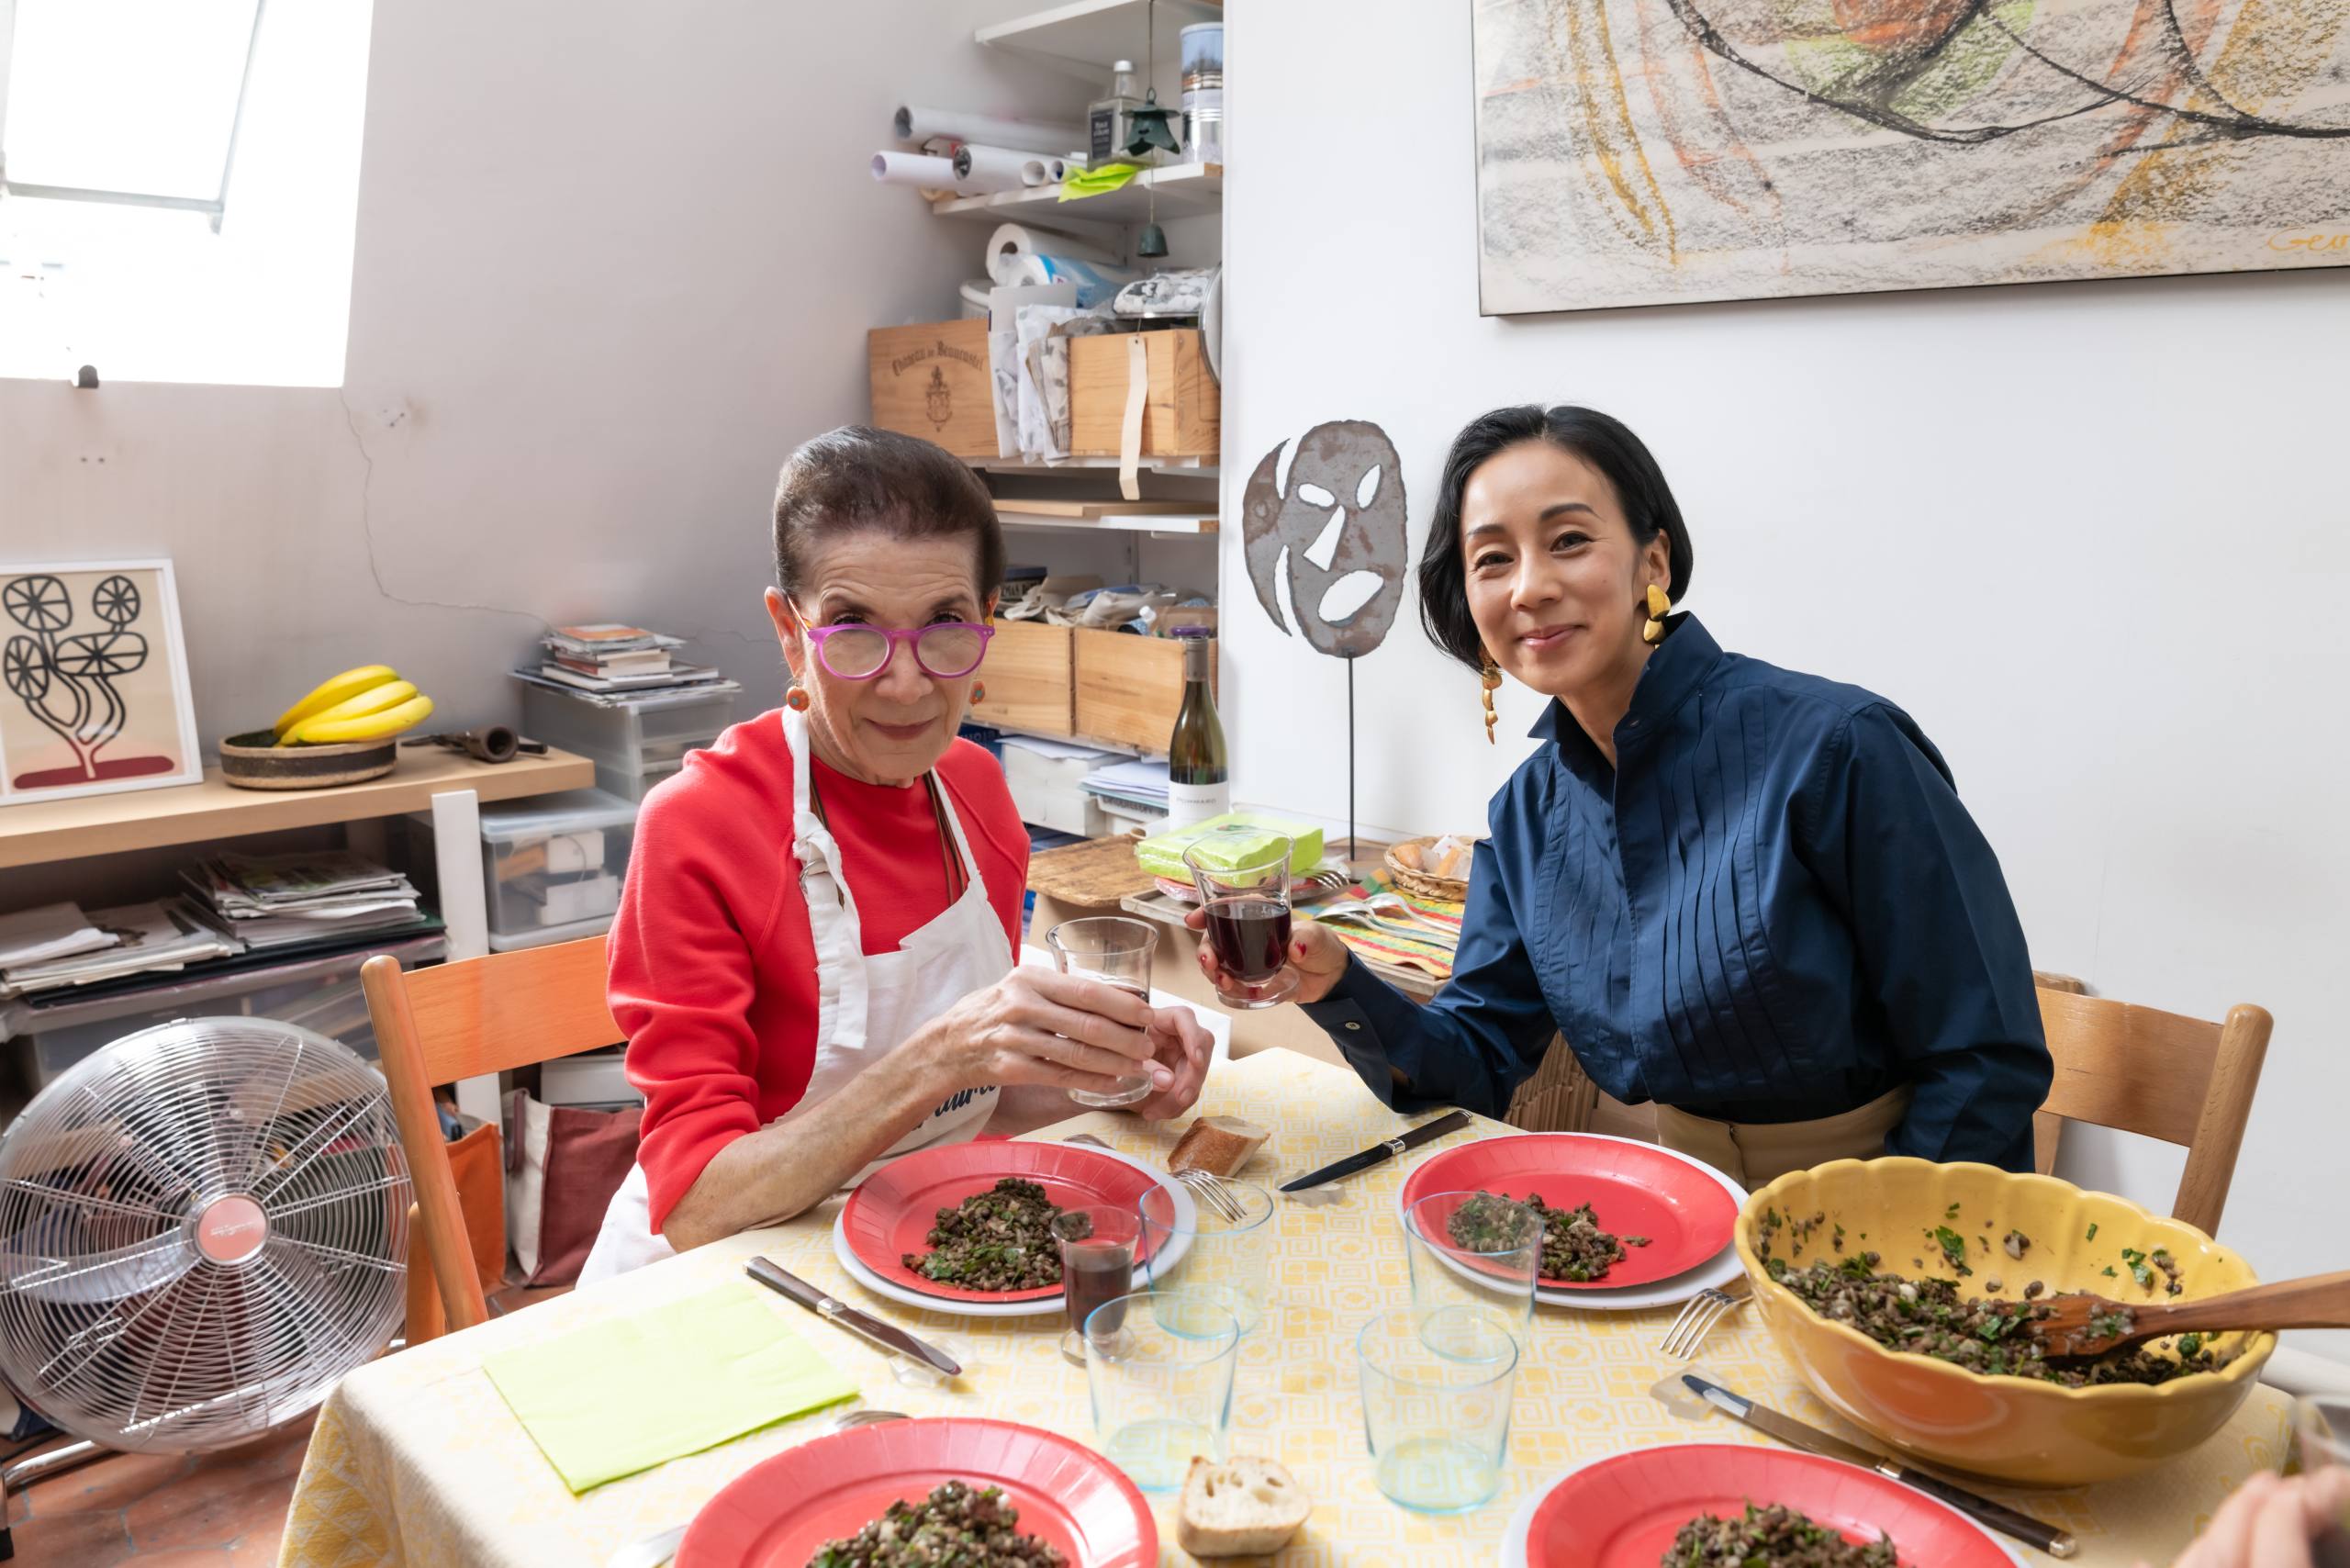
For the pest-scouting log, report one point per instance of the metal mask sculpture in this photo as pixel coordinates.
(1335, 532)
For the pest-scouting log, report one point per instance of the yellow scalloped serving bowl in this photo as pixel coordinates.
(2022, 1430)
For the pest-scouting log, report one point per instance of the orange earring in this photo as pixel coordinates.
(1659, 606)
(979, 691)
(1489, 676)
(795, 699)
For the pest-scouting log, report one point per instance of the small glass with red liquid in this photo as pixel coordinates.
(1243, 875)
(1097, 1247)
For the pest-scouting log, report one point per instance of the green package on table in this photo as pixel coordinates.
(1161, 854)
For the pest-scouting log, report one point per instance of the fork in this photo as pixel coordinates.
(1698, 1316)
(1210, 1189)
(1385, 906)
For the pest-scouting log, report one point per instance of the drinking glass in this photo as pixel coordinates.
(1436, 1395)
(1225, 1260)
(1490, 1256)
(1116, 951)
(1243, 874)
(1159, 1366)
(1097, 1247)
(2323, 1423)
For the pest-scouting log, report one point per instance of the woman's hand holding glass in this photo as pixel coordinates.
(1316, 956)
(1038, 1026)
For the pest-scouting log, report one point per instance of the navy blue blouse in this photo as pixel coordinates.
(1774, 908)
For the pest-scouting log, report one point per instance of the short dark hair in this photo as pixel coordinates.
(857, 477)
(1606, 443)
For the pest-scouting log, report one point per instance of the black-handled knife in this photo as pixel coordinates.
(1450, 1122)
(1811, 1439)
(888, 1335)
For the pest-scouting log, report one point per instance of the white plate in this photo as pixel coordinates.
(1712, 1274)
(1521, 1523)
(1186, 1216)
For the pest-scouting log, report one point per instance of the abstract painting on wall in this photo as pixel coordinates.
(96, 696)
(1664, 151)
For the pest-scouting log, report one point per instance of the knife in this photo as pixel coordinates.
(1811, 1439)
(1450, 1122)
(888, 1335)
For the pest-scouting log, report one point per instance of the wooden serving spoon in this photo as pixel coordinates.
(2083, 1325)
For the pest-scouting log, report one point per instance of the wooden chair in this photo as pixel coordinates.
(1559, 1098)
(462, 1020)
(2180, 1080)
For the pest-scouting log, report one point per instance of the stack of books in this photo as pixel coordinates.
(169, 934)
(280, 900)
(609, 657)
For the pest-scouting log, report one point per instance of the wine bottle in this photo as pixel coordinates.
(1198, 769)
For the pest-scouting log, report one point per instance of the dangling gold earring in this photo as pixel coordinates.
(796, 697)
(1659, 606)
(1489, 676)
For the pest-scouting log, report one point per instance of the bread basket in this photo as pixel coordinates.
(1406, 863)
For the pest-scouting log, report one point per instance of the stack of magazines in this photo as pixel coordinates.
(169, 934)
(278, 901)
(607, 658)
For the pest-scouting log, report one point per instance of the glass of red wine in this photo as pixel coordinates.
(1243, 874)
(1097, 1247)
(1115, 951)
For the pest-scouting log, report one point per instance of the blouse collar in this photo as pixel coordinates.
(1677, 669)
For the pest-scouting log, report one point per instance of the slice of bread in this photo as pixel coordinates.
(1242, 1507)
(1221, 1145)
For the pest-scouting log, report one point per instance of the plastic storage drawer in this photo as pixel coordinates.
(655, 728)
(552, 866)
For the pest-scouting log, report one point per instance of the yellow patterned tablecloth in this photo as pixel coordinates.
(415, 1460)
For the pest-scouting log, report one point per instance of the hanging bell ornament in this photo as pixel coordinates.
(1152, 133)
(1151, 242)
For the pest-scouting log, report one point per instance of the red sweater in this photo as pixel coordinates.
(712, 970)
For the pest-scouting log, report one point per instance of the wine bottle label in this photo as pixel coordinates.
(1189, 803)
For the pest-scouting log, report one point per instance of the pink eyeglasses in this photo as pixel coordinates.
(945, 650)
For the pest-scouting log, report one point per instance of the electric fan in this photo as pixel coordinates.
(202, 1227)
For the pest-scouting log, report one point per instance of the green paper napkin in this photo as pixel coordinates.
(614, 1398)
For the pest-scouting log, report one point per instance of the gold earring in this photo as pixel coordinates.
(1659, 606)
(1489, 676)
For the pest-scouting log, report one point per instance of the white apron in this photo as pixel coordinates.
(867, 1006)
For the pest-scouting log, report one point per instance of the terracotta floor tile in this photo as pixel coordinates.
(209, 1510)
(258, 1550)
(185, 1557)
(104, 1484)
(84, 1540)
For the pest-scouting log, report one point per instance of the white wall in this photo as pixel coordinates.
(613, 262)
(2091, 535)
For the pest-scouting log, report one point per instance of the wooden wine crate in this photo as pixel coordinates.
(1182, 411)
(932, 381)
(1128, 688)
(1028, 680)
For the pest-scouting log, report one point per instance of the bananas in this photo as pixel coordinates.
(326, 693)
(362, 704)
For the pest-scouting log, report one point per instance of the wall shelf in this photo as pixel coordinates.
(1187, 466)
(1185, 190)
(1089, 35)
(1141, 517)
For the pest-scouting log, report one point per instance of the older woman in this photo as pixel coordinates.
(1748, 895)
(813, 959)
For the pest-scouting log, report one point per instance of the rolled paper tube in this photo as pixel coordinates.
(998, 168)
(916, 169)
(915, 123)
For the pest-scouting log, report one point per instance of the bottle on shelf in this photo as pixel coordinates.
(1109, 122)
(1199, 769)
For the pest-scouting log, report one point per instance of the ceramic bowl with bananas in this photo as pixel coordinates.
(345, 730)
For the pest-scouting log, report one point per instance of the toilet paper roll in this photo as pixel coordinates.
(916, 169)
(915, 123)
(1012, 240)
(998, 168)
(1097, 282)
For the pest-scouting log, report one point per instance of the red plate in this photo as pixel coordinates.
(1623, 1512)
(892, 1213)
(1636, 1189)
(777, 1513)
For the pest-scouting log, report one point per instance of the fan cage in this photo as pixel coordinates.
(141, 1306)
